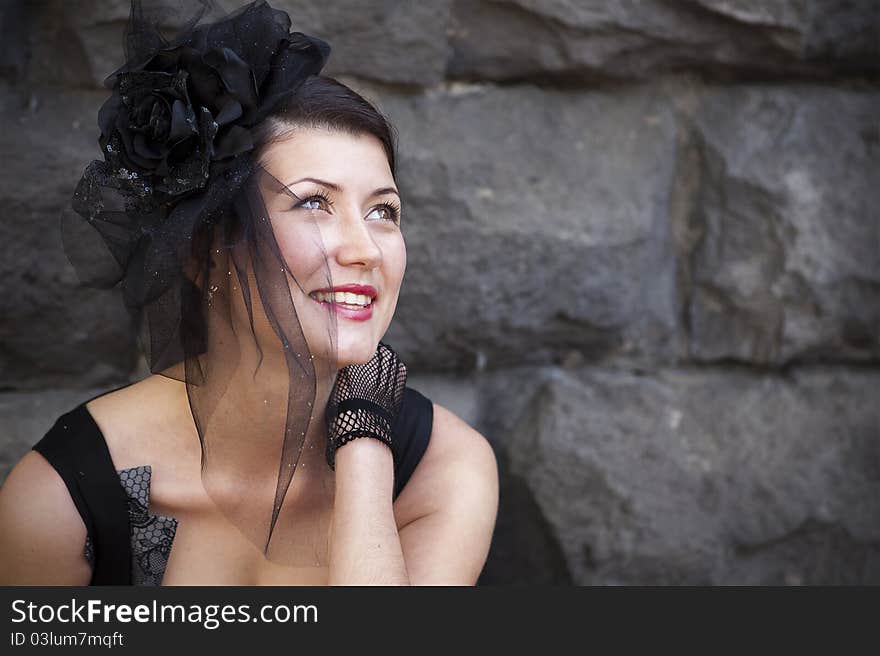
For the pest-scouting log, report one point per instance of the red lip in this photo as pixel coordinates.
(366, 290)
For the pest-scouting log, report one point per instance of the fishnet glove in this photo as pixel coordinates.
(365, 401)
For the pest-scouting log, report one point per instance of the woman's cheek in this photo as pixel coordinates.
(303, 250)
(397, 249)
(394, 275)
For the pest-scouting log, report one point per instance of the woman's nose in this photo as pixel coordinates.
(356, 244)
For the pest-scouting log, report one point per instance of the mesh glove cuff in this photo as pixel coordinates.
(365, 401)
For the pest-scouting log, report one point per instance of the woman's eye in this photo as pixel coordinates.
(312, 203)
(389, 212)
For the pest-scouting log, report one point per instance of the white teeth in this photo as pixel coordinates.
(343, 297)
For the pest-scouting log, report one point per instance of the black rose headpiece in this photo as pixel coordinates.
(183, 112)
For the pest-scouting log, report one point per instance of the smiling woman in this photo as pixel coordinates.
(248, 208)
(348, 199)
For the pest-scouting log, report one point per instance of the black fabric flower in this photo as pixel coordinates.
(178, 115)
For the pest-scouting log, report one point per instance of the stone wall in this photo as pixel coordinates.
(644, 260)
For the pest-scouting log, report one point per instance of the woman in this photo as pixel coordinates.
(251, 212)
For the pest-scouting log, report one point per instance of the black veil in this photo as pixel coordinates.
(178, 214)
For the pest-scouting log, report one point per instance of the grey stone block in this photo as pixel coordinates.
(788, 262)
(598, 42)
(536, 225)
(692, 477)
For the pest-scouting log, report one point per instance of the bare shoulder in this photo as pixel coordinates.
(457, 436)
(41, 532)
(139, 422)
(446, 512)
(459, 462)
(460, 453)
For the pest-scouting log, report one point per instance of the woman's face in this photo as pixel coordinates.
(352, 233)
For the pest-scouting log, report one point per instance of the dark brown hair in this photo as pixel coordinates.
(324, 102)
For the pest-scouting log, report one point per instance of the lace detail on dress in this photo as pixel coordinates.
(89, 550)
(151, 535)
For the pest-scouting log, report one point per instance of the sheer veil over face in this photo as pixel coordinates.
(340, 226)
(254, 386)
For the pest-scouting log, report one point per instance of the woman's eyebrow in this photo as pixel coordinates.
(336, 187)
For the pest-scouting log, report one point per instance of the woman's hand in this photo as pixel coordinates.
(365, 401)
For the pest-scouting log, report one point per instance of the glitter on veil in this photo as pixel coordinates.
(178, 216)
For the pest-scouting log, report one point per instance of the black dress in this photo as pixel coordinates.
(125, 544)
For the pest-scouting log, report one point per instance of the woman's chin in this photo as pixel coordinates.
(355, 354)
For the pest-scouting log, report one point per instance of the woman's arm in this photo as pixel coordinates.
(41, 533)
(446, 512)
(364, 544)
(448, 508)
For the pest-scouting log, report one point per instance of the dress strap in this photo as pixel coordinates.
(412, 432)
(77, 450)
